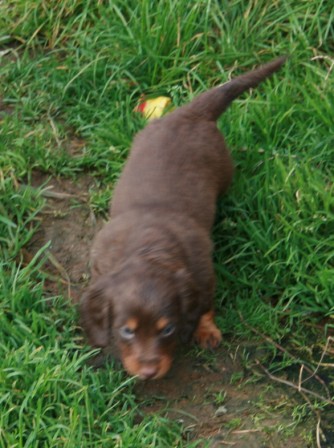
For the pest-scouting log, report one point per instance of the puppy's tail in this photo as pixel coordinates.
(210, 105)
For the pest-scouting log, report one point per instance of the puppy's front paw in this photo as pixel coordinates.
(207, 335)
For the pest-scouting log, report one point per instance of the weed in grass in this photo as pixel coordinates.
(234, 423)
(220, 397)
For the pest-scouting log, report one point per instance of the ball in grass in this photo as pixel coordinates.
(154, 107)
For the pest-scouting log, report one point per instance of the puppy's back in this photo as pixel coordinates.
(180, 162)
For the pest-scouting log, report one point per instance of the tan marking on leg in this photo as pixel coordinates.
(207, 335)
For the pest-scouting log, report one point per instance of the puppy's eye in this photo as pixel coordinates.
(127, 333)
(168, 330)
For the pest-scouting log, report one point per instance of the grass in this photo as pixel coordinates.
(74, 70)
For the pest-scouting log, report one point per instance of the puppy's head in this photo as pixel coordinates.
(141, 308)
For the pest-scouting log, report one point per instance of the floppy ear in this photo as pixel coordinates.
(190, 303)
(96, 313)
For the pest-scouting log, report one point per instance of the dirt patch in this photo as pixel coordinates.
(212, 395)
(218, 400)
(68, 225)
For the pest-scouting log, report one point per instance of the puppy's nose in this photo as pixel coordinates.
(147, 372)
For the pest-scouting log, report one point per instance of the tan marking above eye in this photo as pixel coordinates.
(161, 323)
(132, 323)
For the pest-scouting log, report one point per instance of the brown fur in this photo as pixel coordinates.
(152, 274)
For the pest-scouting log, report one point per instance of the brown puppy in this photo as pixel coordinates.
(152, 274)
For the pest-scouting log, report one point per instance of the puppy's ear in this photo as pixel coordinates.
(190, 303)
(187, 289)
(96, 313)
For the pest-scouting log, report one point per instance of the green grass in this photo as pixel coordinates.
(75, 69)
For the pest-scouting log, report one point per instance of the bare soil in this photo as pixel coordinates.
(68, 224)
(212, 395)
